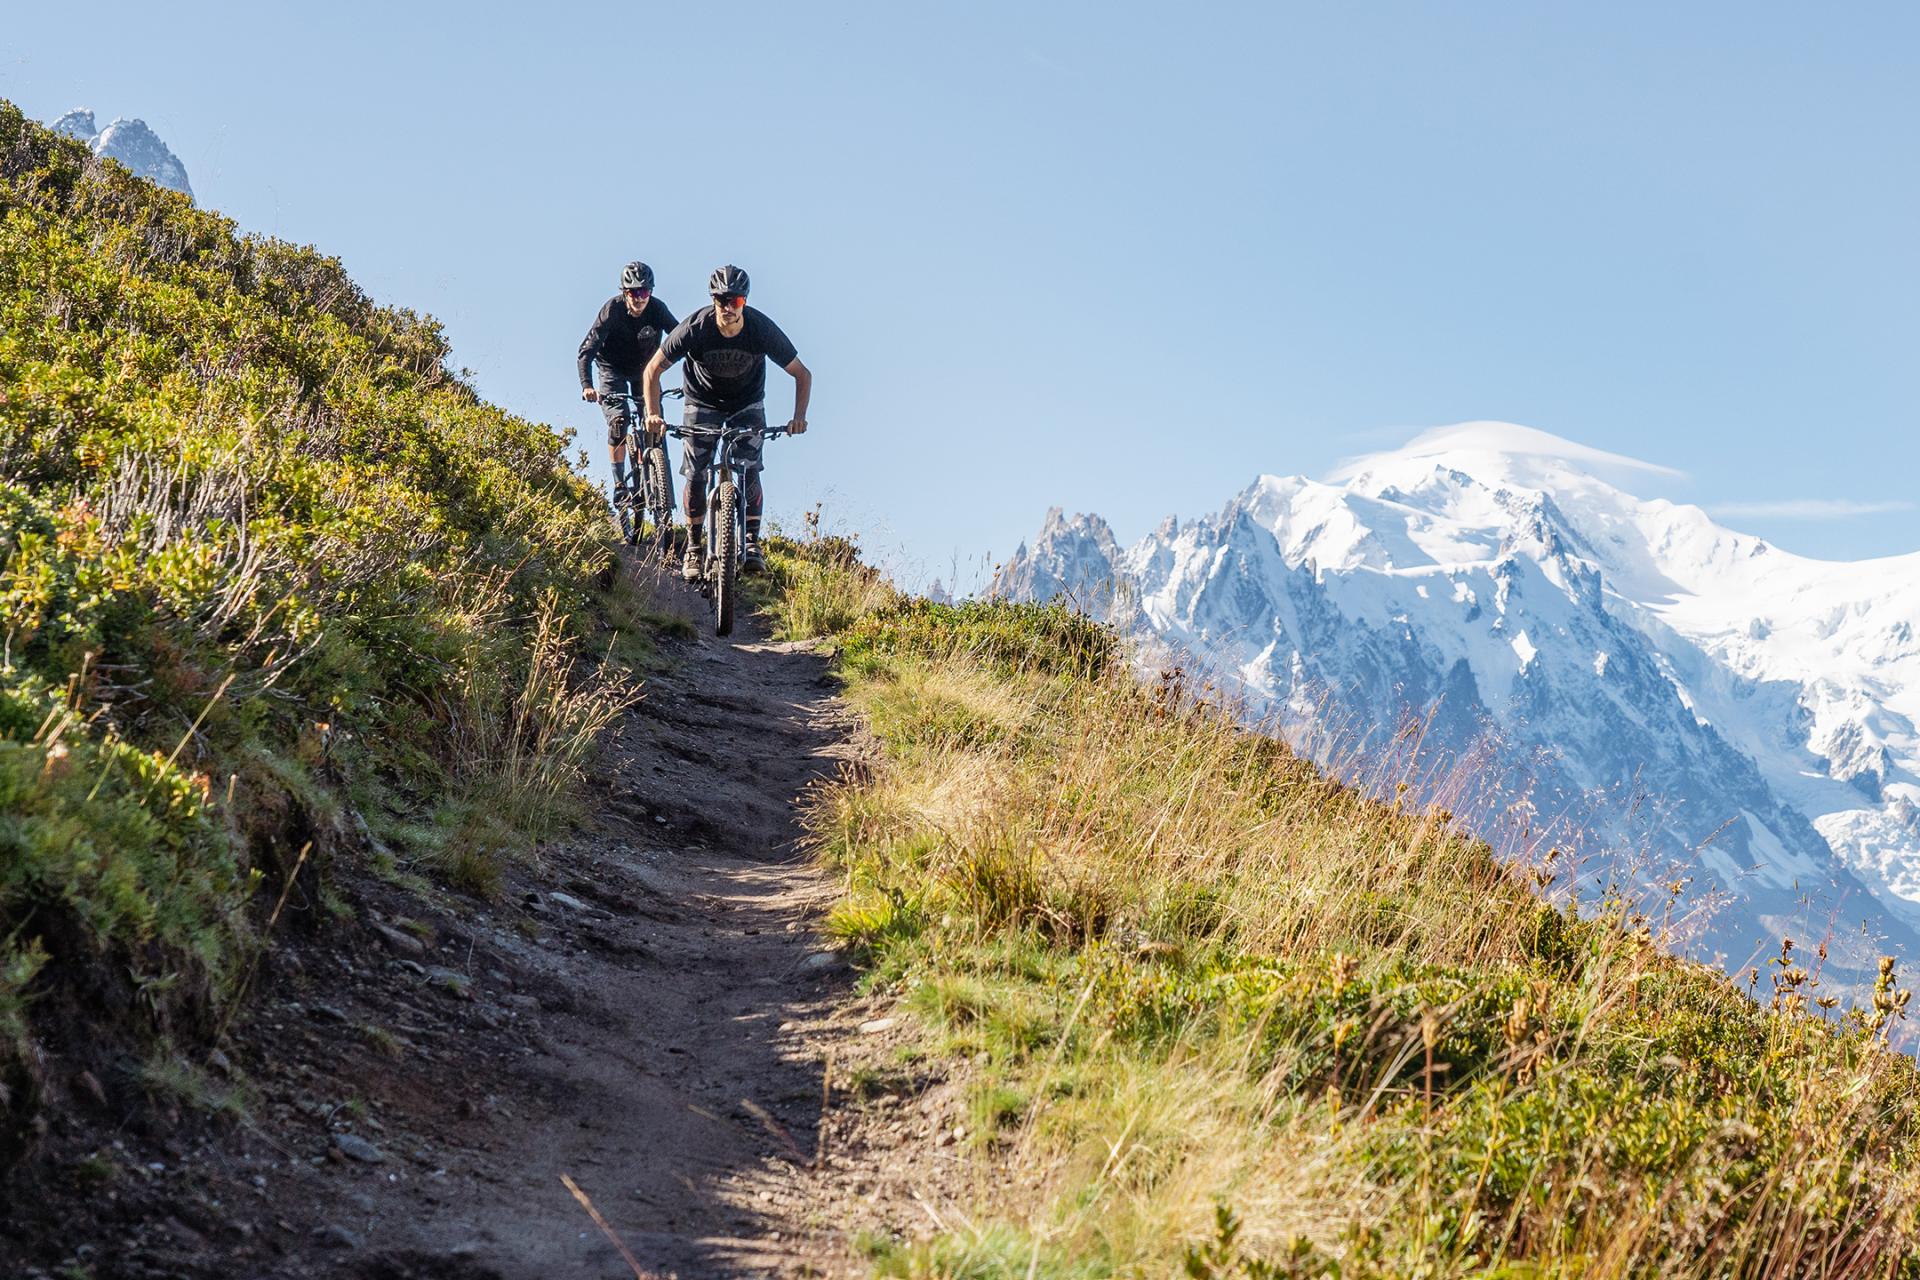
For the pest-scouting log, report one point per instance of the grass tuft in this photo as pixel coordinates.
(819, 586)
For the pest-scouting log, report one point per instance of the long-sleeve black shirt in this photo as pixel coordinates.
(623, 343)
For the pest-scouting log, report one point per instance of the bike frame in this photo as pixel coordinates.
(724, 467)
(720, 576)
(636, 446)
(637, 408)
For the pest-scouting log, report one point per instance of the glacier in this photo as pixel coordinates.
(1487, 616)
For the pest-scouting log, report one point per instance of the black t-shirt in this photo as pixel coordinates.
(624, 343)
(727, 374)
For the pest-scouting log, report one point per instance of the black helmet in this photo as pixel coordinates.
(728, 279)
(636, 275)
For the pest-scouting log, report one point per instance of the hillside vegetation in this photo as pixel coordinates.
(1225, 1017)
(280, 596)
(274, 585)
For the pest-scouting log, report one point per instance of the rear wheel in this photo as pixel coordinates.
(658, 492)
(726, 556)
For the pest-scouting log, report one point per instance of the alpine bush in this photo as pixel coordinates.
(273, 578)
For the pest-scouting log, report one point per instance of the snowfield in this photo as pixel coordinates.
(1587, 669)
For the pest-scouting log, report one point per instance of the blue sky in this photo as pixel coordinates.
(1115, 257)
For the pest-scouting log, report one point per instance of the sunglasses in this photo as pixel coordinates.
(640, 295)
(730, 300)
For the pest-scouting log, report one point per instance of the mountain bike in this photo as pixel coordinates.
(726, 514)
(649, 487)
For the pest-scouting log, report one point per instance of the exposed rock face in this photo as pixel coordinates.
(131, 143)
(1073, 558)
(1588, 669)
(77, 124)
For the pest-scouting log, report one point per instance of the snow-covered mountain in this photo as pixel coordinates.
(1588, 668)
(130, 142)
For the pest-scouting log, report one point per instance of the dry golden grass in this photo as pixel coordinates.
(527, 744)
(1240, 1020)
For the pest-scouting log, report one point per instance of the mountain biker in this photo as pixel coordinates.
(624, 336)
(726, 346)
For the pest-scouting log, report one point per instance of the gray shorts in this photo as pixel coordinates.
(622, 418)
(700, 449)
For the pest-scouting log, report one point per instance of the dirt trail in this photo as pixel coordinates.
(687, 1008)
(647, 1009)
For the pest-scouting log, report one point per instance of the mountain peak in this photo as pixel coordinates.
(1485, 579)
(131, 142)
(77, 123)
(1073, 557)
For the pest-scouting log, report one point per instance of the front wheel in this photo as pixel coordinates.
(726, 556)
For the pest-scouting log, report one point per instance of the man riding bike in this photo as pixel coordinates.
(726, 346)
(623, 338)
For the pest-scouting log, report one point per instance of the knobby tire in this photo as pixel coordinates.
(726, 556)
(658, 493)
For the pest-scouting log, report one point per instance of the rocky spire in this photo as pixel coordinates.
(131, 143)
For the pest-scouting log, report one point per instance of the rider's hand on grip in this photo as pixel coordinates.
(797, 426)
(656, 425)
(588, 393)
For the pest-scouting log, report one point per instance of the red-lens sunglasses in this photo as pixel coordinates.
(731, 300)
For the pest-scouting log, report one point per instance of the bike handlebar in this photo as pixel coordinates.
(681, 431)
(666, 393)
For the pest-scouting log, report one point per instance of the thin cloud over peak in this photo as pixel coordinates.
(1506, 439)
(1807, 509)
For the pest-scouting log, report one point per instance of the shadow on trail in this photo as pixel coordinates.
(671, 955)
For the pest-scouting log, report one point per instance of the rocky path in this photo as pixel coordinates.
(676, 1015)
(648, 1011)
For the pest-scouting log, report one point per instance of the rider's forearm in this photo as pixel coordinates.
(802, 389)
(652, 379)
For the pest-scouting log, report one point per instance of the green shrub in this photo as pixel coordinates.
(264, 563)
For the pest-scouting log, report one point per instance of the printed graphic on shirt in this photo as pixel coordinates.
(727, 373)
(723, 365)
